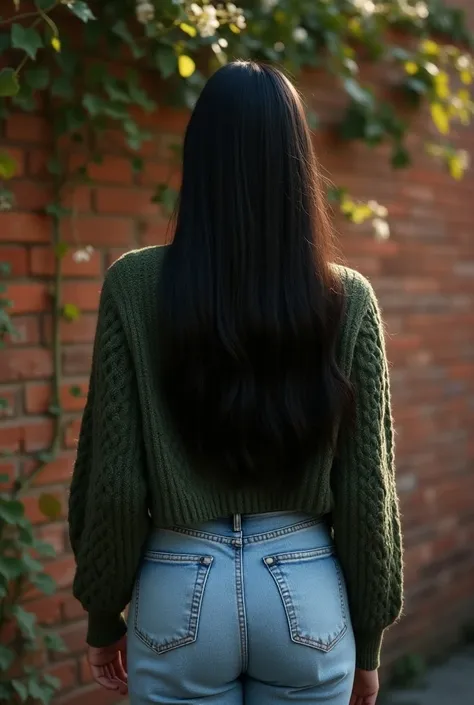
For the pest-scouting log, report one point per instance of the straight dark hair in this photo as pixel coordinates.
(250, 305)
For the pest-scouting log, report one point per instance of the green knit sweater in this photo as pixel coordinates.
(132, 472)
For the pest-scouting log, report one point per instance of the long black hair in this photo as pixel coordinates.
(250, 306)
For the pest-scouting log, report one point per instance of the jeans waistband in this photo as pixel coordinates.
(253, 528)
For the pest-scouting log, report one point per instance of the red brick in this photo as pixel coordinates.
(62, 570)
(27, 331)
(77, 359)
(78, 199)
(113, 169)
(155, 173)
(92, 695)
(85, 295)
(38, 159)
(99, 231)
(28, 298)
(18, 155)
(74, 636)
(55, 535)
(155, 233)
(59, 471)
(17, 258)
(72, 610)
(24, 227)
(80, 331)
(66, 672)
(37, 434)
(22, 127)
(47, 609)
(171, 120)
(38, 397)
(25, 363)
(42, 263)
(125, 201)
(72, 433)
(10, 437)
(32, 195)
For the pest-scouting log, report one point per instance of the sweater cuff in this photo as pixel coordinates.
(105, 629)
(368, 647)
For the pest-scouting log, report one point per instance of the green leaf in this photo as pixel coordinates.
(53, 642)
(121, 30)
(166, 196)
(52, 681)
(81, 9)
(71, 312)
(5, 693)
(358, 94)
(45, 550)
(20, 689)
(26, 38)
(6, 658)
(50, 506)
(11, 511)
(137, 164)
(400, 157)
(93, 104)
(7, 166)
(75, 391)
(57, 210)
(55, 410)
(61, 249)
(40, 692)
(30, 564)
(9, 84)
(44, 583)
(26, 621)
(166, 61)
(44, 456)
(37, 77)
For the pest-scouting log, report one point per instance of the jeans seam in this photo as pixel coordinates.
(239, 588)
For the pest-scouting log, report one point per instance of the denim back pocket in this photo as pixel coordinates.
(312, 591)
(168, 598)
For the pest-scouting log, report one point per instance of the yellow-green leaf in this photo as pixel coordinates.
(186, 66)
(50, 506)
(56, 44)
(71, 312)
(430, 47)
(456, 167)
(441, 85)
(466, 77)
(233, 28)
(440, 118)
(188, 29)
(411, 68)
(7, 166)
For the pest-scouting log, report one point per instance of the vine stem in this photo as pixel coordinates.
(27, 15)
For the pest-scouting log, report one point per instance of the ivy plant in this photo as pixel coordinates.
(44, 45)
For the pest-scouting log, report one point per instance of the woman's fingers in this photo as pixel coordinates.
(100, 676)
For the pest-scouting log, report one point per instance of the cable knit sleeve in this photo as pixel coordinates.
(108, 513)
(366, 516)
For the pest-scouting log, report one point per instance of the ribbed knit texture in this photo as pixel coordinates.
(132, 471)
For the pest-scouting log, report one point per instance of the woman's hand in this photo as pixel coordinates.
(109, 665)
(366, 687)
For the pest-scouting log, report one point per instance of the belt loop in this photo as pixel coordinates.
(237, 520)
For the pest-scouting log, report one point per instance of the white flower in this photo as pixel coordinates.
(216, 48)
(279, 46)
(145, 11)
(432, 69)
(223, 43)
(83, 255)
(422, 10)
(195, 9)
(300, 34)
(377, 209)
(268, 5)
(231, 8)
(381, 229)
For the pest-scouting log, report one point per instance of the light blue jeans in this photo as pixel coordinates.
(251, 609)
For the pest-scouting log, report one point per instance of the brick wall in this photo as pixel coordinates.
(424, 276)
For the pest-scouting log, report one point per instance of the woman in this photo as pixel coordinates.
(234, 479)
